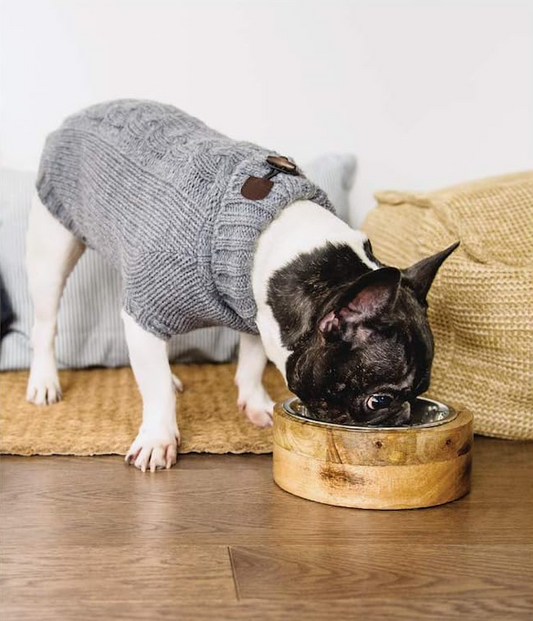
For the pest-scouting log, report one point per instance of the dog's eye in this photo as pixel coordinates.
(378, 402)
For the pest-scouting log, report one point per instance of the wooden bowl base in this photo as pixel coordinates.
(403, 469)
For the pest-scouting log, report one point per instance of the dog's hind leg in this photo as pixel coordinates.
(253, 399)
(51, 254)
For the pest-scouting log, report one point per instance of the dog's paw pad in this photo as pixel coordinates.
(150, 453)
(44, 390)
(261, 418)
(258, 409)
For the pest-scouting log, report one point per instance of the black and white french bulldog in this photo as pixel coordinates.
(360, 344)
(350, 336)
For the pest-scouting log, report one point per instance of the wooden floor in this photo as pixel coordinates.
(89, 538)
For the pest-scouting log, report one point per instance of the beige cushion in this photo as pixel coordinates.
(481, 303)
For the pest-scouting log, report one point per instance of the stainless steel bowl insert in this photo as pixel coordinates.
(424, 413)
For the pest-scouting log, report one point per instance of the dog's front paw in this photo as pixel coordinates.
(154, 448)
(43, 388)
(258, 407)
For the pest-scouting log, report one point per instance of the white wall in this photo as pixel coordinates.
(424, 93)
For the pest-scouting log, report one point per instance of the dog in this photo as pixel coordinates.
(211, 231)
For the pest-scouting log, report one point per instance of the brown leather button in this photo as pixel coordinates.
(283, 164)
(256, 188)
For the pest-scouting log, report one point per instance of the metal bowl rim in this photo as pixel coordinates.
(451, 414)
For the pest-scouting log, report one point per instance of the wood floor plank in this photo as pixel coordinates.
(90, 538)
(408, 608)
(348, 572)
(204, 501)
(140, 572)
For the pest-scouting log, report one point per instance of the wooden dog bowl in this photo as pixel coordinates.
(423, 464)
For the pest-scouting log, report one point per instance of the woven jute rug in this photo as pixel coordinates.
(101, 413)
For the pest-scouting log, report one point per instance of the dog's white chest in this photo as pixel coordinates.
(302, 227)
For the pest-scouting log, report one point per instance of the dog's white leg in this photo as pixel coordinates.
(51, 254)
(253, 398)
(156, 444)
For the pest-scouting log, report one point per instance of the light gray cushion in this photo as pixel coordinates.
(90, 331)
(335, 174)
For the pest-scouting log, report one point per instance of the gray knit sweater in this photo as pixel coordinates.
(158, 193)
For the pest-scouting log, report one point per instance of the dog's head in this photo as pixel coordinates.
(370, 352)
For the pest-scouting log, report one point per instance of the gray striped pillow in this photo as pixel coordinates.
(90, 331)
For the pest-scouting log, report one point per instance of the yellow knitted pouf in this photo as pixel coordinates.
(481, 303)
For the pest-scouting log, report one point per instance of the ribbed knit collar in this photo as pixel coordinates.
(240, 221)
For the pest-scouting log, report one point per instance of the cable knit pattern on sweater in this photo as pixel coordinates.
(158, 193)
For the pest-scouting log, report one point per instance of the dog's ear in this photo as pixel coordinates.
(419, 277)
(372, 294)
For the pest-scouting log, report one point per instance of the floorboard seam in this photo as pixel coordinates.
(234, 575)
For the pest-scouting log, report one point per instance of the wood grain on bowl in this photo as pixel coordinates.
(403, 468)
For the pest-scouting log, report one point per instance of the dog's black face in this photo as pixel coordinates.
(368, 348)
